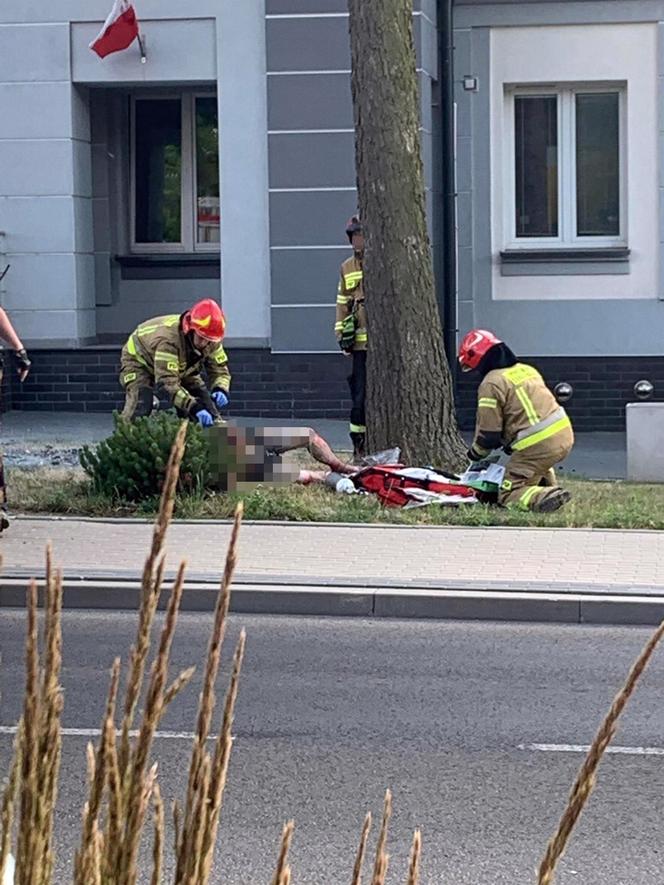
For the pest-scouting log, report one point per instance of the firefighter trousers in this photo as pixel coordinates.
(530, 474)
(138, 386)
(357, 381)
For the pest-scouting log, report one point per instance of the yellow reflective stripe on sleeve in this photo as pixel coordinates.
(361, 337)
(525, 499)
(338, 326)
(353, 278)
(219, 356)
(131, 348)
(181, 398)
(528, 406)
(358, 428)
(130, 376)
(171, 360)
(541, 435)
(343, 299)
(487, 402)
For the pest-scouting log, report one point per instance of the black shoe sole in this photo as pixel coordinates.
(552, 502)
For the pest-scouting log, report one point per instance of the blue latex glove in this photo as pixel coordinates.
(204, 418)
(220, 398)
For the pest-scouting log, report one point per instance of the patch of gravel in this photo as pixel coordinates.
(34, 457)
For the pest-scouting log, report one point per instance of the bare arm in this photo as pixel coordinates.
(8, 333)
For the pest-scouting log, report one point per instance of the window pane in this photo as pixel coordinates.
(158, 171)
(597, 165)
(207, 170)
(536, 150)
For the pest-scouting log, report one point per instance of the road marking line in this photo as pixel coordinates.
(95, 732)
(583, 748)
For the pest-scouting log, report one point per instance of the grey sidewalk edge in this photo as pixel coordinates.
(347, 602)
(135, 520)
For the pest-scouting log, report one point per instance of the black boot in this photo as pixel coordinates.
(359, 450)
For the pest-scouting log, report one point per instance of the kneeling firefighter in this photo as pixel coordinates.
(518, 412)
(169, 352)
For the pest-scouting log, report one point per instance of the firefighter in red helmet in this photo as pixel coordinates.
(516, 411)
(350, 329)
(170, 352)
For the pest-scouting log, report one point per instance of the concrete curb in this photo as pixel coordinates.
(418, 603)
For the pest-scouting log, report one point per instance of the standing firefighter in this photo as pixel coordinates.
(169, 352)
(9, 336)
(350, 329)
(518, 412)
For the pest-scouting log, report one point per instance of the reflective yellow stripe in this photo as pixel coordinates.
(528, 406)
(343, 299)
(164, 356)
(541, 435)
(520, 373)
(181, 398)
(487, 402)
(338, 326)
(131, 348)
(358, 428)
(524, 500)
(145, 330)
(130, 376)
(352, 279)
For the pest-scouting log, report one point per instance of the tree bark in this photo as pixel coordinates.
(409, 387)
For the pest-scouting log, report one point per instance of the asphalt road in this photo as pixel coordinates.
(333, 711)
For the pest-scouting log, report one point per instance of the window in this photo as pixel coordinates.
(175, 173)
(565, 167)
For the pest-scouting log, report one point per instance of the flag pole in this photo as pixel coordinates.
(141, 45)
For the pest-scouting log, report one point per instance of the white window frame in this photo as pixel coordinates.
(189, 177)
(566, 105)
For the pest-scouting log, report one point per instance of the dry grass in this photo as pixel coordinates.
(122, 778)
(123, 796)
(585, 780)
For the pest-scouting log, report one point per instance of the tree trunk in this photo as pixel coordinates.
(409, 387)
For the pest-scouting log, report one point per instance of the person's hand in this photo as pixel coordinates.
(24, 364)
(204, 418)
(220, 398)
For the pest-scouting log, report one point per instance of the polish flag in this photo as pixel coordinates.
(119, 31)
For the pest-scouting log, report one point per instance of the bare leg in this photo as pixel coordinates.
(286, 439)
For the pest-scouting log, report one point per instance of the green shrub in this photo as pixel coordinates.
(131, 464)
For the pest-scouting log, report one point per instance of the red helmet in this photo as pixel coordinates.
(473, 347)
(353, 226)
(205, 318)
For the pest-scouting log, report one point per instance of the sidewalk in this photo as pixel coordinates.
(496, 573)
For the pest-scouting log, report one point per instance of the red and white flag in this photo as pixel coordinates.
(119, 31)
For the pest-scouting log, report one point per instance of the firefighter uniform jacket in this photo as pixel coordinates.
(515, 410)
(160, 348)
(350, 302)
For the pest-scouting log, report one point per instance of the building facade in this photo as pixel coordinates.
(223, 167)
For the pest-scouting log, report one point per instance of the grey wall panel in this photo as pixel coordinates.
(97, 10)
(308, 7)
(465, 272)
(35, 110)
(30, 53)
(309, 101)
(426, 109)
(308, 44)
(312, 160)
(505, 13)
(306, 329)
(169, 59)
(306, 276)
(137, 300)
(310, 219)
(426, 45)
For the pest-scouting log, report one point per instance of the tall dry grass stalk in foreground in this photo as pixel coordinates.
(122, 780)
(585, 780)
